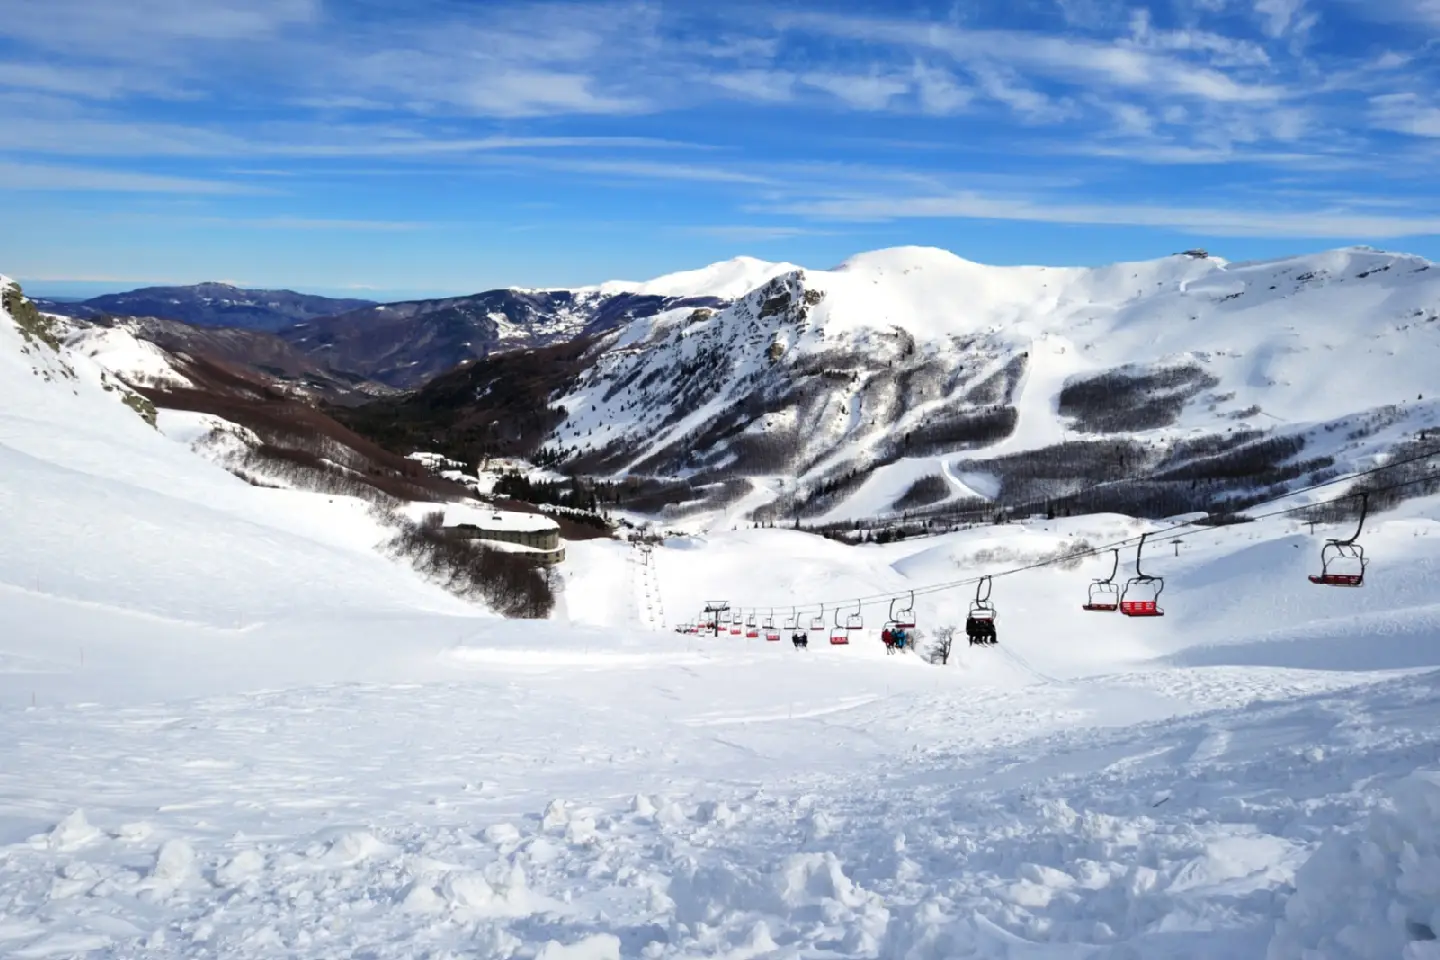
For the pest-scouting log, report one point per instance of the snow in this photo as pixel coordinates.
(487, 517)
(1335, 347)
(725, 280)
(234, 728)
(1374, 893)
(121, 353)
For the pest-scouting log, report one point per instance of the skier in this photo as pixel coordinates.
(901, 638)
(801, 639)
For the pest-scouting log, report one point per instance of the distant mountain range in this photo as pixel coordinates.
(904, 381)
(407, 343)
(912, 381)
(209, 305)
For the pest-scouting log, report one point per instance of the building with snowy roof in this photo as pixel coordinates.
(529, 533)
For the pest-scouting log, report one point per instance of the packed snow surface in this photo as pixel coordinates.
(235, 729)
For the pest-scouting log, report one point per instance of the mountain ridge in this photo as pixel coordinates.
(209, 304)
(838, 391)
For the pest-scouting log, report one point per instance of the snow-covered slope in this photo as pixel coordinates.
(913, 363)
(726, 280)
(233, 729)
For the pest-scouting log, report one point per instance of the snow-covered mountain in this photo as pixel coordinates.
(406, 344)
(909, 379)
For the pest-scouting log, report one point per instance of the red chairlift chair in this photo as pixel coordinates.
(1145, 585)
(903, 619)
(1348, 553)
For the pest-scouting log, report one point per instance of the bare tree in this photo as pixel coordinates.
(940, 649)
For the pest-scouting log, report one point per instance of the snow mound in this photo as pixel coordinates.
(72, 832)
(1372, 894)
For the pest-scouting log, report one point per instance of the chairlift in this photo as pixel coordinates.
(840, 635)
(752, 628)
(792, 622)
(736, 624)
(817, 622)
(1144, 584)
(714, 616)
(1105, 594)
(980, 621)
(1348, 553)
(768, 625)
(904, 618)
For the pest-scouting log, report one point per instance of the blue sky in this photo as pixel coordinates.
(439, 146)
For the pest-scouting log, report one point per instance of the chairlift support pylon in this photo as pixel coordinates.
(715, 611)
(1347, 551)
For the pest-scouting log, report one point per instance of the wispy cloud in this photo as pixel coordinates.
(314, 223)
(1062, 58)
(27, 176)
(1246, 222)
(1406, 113)
(644, 170)
(754, 233)
(144, 25)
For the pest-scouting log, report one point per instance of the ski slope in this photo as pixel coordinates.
(235, 729)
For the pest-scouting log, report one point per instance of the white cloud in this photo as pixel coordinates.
(1070, 60)
(76, 134)
(938, 92)
(861, 91)
(645, 170)
(1277, 17)
(1030, 104)
(26, 176)
(1251, 222)
(747, 233)
(1405, 113)
(768, 86)
(1425, 12)
(1220, 50)
(136, 27)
